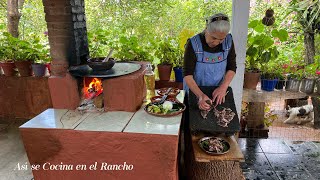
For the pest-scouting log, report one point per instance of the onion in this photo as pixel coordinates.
(167, 105)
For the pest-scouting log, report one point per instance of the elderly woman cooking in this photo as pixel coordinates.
(210, 60)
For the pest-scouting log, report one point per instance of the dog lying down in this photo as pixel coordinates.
(300, 115)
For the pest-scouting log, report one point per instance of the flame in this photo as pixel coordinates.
(94, 89)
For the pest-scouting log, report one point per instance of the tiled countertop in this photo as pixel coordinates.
(113, 121)
(143, 122)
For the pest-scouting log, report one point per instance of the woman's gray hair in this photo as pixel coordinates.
(218, 23)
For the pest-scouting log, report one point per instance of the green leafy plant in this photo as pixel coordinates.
(269, 115)
(21, 50)
(130, 49)
(307, 13)
(7, 47)
(98, 41)
(168, 52)
(310, 70)
(261, 45)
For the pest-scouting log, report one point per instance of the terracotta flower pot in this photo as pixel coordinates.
(164, 72)
(251, 80)
(24, 68)
(8, 68)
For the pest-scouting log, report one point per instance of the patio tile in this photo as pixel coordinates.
(312, 161)
(301, 147)
(315, 174)
(255, 175)
(274, 146)
(286, 162)
(256, 161)
(249, 145)
(288, 175)
(317, 143)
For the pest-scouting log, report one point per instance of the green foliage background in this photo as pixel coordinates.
(138, 29)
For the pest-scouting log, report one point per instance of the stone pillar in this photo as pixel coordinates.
(67, 32)
(68, 41)
(81, 49)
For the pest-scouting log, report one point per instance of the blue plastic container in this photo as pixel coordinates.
(268, 84)
(178, 74)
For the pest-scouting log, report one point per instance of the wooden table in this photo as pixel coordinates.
(106, 145)
(256, 106)
(202, 166)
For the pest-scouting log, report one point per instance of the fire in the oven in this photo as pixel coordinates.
(93, 90)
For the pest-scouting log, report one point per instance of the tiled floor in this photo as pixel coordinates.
(275, 159)
(12, 154)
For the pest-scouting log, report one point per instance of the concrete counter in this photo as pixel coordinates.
(145, 146)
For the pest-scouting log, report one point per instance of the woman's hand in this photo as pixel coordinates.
(203, 105)
(218, 95)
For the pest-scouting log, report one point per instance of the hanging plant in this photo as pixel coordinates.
(268, 20)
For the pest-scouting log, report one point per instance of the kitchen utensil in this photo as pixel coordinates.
(109, 55)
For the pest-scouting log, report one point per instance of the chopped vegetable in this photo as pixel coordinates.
(167, 105)
(166, 108)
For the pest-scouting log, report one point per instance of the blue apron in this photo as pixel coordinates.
(210, 67)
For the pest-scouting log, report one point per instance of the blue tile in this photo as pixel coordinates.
(315, 174)
(249, 145)
(256, 161)
(311, 162)
(289, 175)
(274, 146)
(286, 162)
(317, 143)
(260, 175)
(301, 147)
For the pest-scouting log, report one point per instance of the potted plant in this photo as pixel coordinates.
(7, 54)
(23, 57)
(261, 49)
(167, 53)
(309, 80)
(178, 70)
(268, 80)
(280, 76)
(39, 53)
(178, 64)
(294, 77)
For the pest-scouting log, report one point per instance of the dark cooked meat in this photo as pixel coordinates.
(215, 145)
(224, 116)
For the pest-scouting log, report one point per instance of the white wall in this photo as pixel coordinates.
(240, 16)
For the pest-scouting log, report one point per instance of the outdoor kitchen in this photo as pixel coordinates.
(102, 122)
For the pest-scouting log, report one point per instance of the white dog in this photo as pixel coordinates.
(300, 115)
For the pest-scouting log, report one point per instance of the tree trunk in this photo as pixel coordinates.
(316, 109)
(13, 16)
(309, 47)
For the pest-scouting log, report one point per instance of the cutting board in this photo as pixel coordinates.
(209, 125)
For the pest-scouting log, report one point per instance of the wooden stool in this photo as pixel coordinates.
(202, 166)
